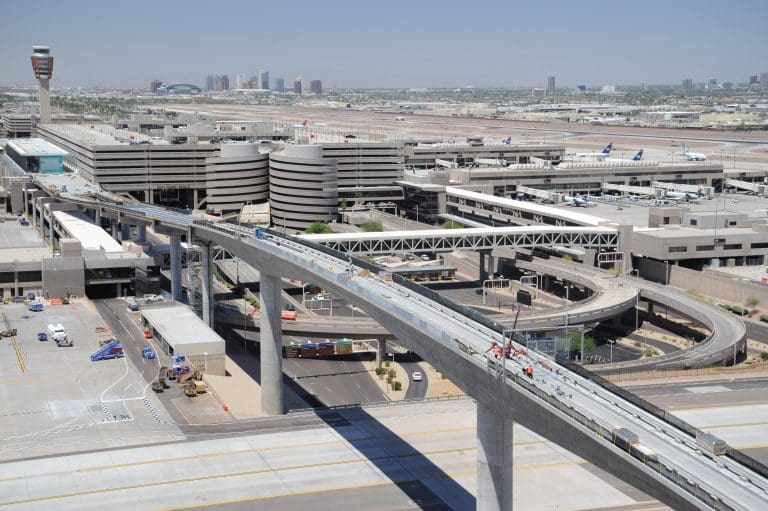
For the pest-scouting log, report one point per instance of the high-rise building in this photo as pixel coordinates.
(550, 85)
(752, 79)
(154, 85)
(712, 83)
(209, 83)
(265, 80)
(727, 85)
(316, 87)
(700, 86)
(644, 87)
(224, 82)
(297, 86)
(581, 88)
(42, 65)
(240, 81)
(280, 84)
(764, 80)
(687, 84)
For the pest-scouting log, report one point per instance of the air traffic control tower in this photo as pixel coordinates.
(42, 65)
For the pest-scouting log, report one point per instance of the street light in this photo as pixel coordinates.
(637, 302)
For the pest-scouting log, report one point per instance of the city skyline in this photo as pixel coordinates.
(370, 46)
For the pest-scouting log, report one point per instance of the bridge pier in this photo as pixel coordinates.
(270, 339)
(206, 288)
(381, 353)
(113, 228)
(494, 460)
(52, 228)
(125, 232)
(141, 233)
(97, 217)
(487, 266)
(176, 289)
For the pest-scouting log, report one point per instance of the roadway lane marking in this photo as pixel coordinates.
(285, 446)
(222, 476)
(451, 475)
(735, 425)
(283, 469)
(709, 407)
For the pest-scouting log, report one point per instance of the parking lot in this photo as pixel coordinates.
(54, 399)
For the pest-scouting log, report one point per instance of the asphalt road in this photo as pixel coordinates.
(335, 381)
(757, 331)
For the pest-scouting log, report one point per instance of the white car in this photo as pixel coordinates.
(425, 257)
(417, 376)
(153, 298)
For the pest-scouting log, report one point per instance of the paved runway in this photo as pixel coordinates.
(418, 456)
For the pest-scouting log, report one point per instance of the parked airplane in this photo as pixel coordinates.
(686, 196)
(601, 156)
(637, 157)
(302, 125)
(693, 156)
(575, 201)
(399, 118)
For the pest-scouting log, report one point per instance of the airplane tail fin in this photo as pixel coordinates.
(638, 156)
(607, 149)
(305, 122)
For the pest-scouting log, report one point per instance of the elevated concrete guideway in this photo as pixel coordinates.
(562, 406)
(728, 334)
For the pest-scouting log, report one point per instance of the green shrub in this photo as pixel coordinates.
(396, 385)
(391, 373)
(389, 380)
(372, 226)
(752, 302)
(387, 363)
(318, 228)
(650, 352)
(450, 224)
(764, 318)
(764, 355)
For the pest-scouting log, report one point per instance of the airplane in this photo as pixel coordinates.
(594, 156)
(399, 118)
(637, 157)
(507, 140)
(302, 125)
(575, 201)
(685, 196)
(693, 156)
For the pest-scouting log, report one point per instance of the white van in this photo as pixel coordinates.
(56, 332)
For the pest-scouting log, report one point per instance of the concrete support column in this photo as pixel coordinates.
(650, 309)
(52, 229)
(176, 288)
(491, 266)
(125, 234)
(34, 211)
(97, 217)
(113, 228)
(141, 233)
(206, 288)
(271, 342)
(381, 354)
(494, 460)
(483, 271)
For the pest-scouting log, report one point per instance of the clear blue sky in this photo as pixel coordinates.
(387, 43)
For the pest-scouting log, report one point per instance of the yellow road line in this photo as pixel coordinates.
(709, 407)
(281, 469)
(276, 448)
(735, 425)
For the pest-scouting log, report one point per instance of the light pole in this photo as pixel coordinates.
(611, 342)
(417, 213)
(637, 302)
(303, 292)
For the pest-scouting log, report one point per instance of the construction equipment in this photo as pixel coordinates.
(159, 384)
(109, 351)
(193, 388)
(189, 375)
